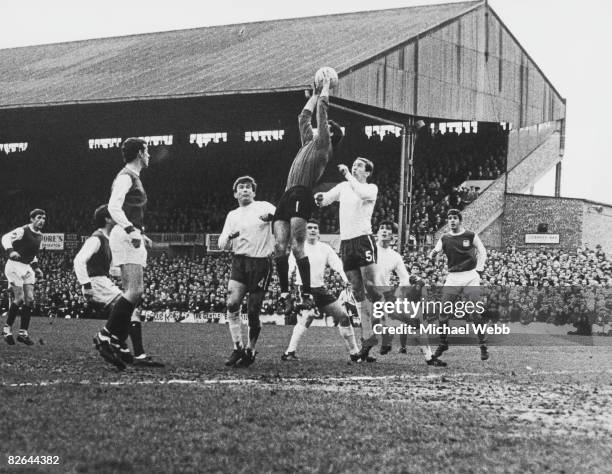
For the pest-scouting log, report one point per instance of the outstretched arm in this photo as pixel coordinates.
(305, 119)
(325, 199)
(366, 191)
(323, 138)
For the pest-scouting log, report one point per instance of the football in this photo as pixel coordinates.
(331, 72)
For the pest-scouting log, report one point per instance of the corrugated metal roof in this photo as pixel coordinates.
(251, 57)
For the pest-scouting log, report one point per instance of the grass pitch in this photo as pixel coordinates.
(529, 408)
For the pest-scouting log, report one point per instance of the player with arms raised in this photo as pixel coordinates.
(357, 248)
(321, 256)
(21, 270)
(249, 232)
(466, 257)
(296, 204)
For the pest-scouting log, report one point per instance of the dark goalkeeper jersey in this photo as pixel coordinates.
(311, 160)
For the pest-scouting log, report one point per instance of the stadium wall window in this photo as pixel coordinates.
(155, 140)
(9, 148)
(264, 135)
(381, 130)
(203, 139)
(459, 127)
(97, 143)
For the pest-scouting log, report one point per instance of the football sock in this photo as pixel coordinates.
(348, 334)
(26, 313)
(253, 336)
(303, 265)
(235, 328)
(364, 310)
(282, 268)
(360, 313)
(136, 337)
(426, 351)
(386, 338)
(13, 311)
(135, 316)
(298, 331)
(403, 340)
(119, 320)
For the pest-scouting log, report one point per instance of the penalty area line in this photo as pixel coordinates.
(291, 381)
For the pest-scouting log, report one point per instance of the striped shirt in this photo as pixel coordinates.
(311, 160)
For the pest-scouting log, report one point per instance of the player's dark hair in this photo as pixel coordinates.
(131, 147)
(387, 223)
(37, 212)
(245, 179)
(100, 215)
(336, 132)
(312, 220)
(369, 166)
(455, 212)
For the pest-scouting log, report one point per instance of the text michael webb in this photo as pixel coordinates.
(433, 329)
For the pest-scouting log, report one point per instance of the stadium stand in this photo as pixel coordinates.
(189, 184)
(182, 285)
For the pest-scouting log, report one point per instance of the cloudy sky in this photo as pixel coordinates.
(569, 39)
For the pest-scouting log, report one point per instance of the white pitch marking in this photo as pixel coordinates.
(292, 381)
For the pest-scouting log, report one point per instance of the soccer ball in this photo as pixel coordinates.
(331, 72)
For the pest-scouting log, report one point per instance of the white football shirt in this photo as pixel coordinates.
(319, 256)
(255, 238)
(356, 207)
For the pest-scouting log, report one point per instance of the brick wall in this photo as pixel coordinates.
(524, 213)
(597, 226)
(491, 236)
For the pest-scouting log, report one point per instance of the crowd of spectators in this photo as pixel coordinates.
(189, 186)
(551, 286)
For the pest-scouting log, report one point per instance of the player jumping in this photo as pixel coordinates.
(296, 204)
(466, 257)
(21, 270)
(321, 255)
(357, 248)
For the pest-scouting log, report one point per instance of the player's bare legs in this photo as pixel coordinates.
(132, 278)
(339, 316)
